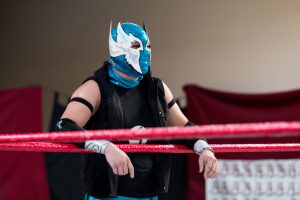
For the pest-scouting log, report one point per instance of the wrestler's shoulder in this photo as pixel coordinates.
(88, 90)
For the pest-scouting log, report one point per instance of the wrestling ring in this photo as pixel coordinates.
(59, 141)
(235, 177)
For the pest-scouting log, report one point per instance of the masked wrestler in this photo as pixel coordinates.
(123, 94)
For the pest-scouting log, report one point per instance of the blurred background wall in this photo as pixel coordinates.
(233, 45)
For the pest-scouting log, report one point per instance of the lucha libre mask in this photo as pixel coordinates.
(130, 50)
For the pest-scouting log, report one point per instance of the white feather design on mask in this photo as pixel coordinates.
(123, 47)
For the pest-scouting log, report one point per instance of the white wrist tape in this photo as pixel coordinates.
(200, 146)
(98, 146)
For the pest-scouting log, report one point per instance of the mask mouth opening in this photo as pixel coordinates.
(126, 76)
(124, 67)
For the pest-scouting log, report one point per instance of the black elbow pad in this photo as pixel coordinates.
(190, 143)
(66, 124)
(190, 124)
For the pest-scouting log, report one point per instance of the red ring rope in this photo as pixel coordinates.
(144, 148)
(267, 129)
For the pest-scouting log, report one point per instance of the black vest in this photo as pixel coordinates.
(98, 177)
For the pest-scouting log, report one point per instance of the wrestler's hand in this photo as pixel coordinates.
(208, 162)
(118, 160)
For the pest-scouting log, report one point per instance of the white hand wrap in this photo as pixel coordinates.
(200, 146)
(98, 146)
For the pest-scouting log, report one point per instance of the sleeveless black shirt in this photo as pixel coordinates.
(136, 112)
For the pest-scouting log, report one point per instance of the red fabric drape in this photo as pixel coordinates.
(22, 174)
(206, 106)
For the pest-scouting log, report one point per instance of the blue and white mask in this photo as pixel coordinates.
(130, 53)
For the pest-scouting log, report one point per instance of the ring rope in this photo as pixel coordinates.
(153, 148)
(253, 130)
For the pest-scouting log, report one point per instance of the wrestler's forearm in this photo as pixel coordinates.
(98, 146)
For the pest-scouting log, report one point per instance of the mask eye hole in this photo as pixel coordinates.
(135, 45)
(149, 46)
